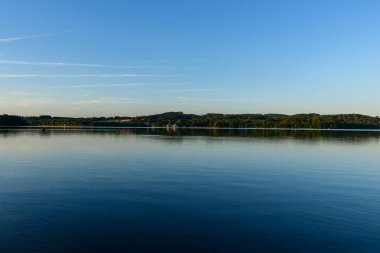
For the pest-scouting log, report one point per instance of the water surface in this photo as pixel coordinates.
(146, 190)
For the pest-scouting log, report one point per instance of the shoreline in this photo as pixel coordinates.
(183, 128)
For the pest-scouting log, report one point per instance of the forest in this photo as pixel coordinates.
(11, 120)
(210, 120)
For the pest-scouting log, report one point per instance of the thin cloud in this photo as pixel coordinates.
(11, 62)
(24, 99)
(11, 39)
(107, 85)
(195, 90)
(23, 93)
(71, 75)
(69, 64)
(104, 85)
(203, 99)
(108, 101)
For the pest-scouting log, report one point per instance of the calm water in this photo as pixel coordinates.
(189, 191)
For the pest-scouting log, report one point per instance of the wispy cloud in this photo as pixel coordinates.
(105, 85)
(73, 75)
(25, 99)
(21, 98)
(11, 62)
(34, 36)
(193, 90)
(23, 93)
(203, 99)
(108, 101)
(205, 89)
(11, 39)
(70, 64)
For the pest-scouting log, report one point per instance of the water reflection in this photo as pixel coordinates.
(354, 136)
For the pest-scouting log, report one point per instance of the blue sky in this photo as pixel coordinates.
(92, 58)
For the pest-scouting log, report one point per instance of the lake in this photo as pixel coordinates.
(189, 190)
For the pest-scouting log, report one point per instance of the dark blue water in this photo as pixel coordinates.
(189, 191)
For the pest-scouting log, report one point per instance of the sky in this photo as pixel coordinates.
(139, 57)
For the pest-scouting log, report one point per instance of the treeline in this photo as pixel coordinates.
(340, 121)
(47, 120)
(179, 119)
(11, 120)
